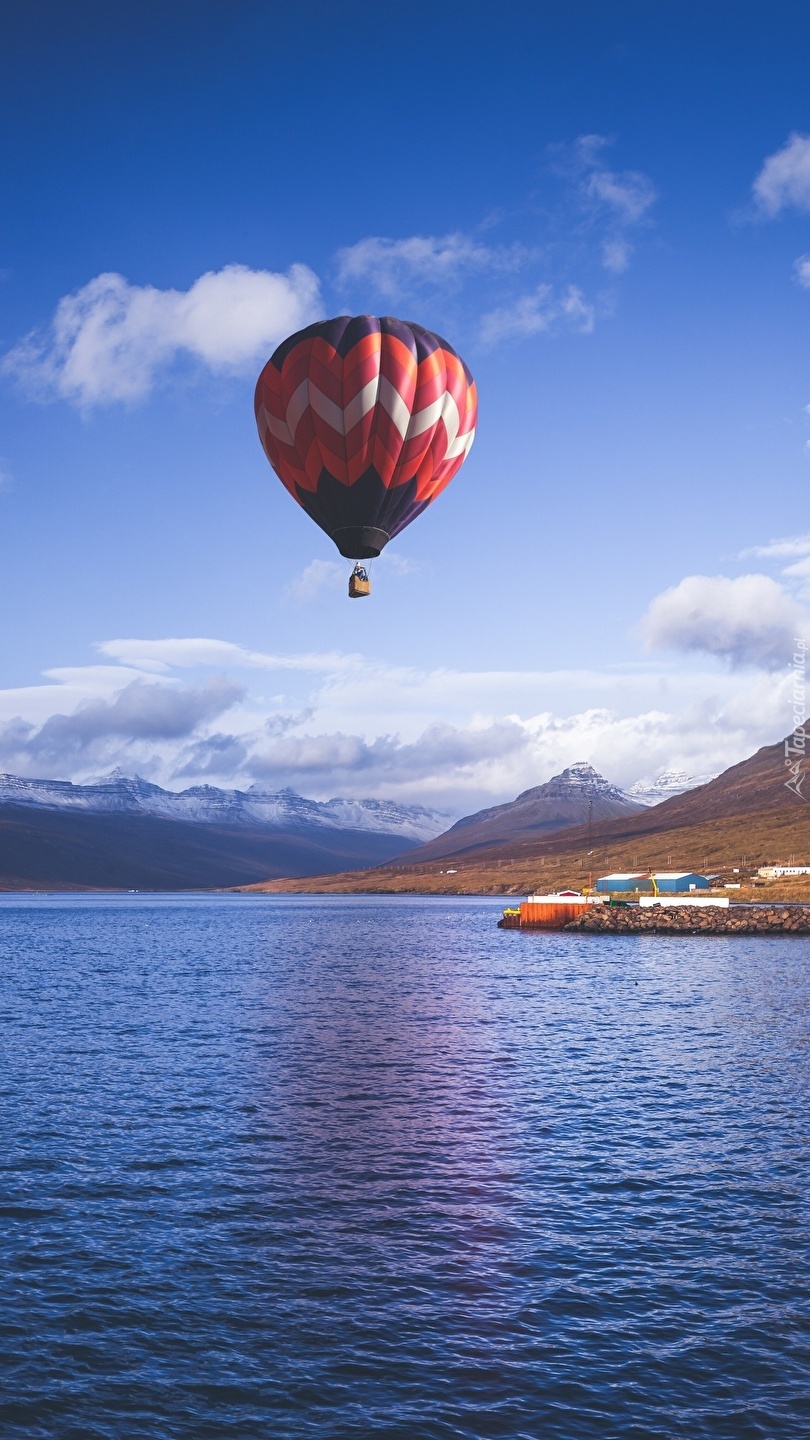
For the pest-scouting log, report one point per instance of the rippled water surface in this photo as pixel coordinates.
(283, 1167)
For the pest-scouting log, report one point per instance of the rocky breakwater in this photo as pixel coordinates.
(691, 920)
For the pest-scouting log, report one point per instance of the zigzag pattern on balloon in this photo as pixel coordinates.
(368, 400)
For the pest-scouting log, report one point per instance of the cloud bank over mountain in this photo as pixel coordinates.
(196, 710)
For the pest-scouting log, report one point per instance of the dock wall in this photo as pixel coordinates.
(684, 920)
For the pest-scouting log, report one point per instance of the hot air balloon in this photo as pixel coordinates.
(365, 420)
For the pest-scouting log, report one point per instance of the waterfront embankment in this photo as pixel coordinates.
(691, 920)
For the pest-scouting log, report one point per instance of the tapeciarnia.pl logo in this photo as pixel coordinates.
(796, 743)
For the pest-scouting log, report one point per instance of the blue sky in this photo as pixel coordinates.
(604, 207)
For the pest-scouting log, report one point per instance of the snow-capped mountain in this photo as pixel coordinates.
(577, 796)
(121, 794)
(581, 779)
(671, 782)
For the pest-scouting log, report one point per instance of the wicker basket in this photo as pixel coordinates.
(359, 585)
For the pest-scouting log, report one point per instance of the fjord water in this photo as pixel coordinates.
(288, 1167)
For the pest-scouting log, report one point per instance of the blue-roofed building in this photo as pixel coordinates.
(674, 881)
(630, 880)
(669, 882)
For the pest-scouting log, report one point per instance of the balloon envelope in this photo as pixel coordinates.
(365, 420)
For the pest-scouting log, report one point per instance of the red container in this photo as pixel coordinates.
(549, 915)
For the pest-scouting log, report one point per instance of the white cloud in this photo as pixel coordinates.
(796, 549)
(141, 711)
(798, 574)
(538, 313)
(801, 269)
(392, 266)
(322, 578)
(318, 578)
(784, 179)
(785, 548)
(617, 201)
(750, 620)
(108, 341)
(439, 751)
(160, 655)
(600, 212)
(627, 194)
(396, 564)
(616, 255)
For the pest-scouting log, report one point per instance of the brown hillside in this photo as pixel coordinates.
(756, 784)
(745, 818)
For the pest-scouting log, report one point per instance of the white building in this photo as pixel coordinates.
(775, 872)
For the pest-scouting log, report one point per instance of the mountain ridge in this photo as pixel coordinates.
(751, 786)
(122, 832)
(579, 794)
(665, 786)
(746, 816)
(254, 808)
